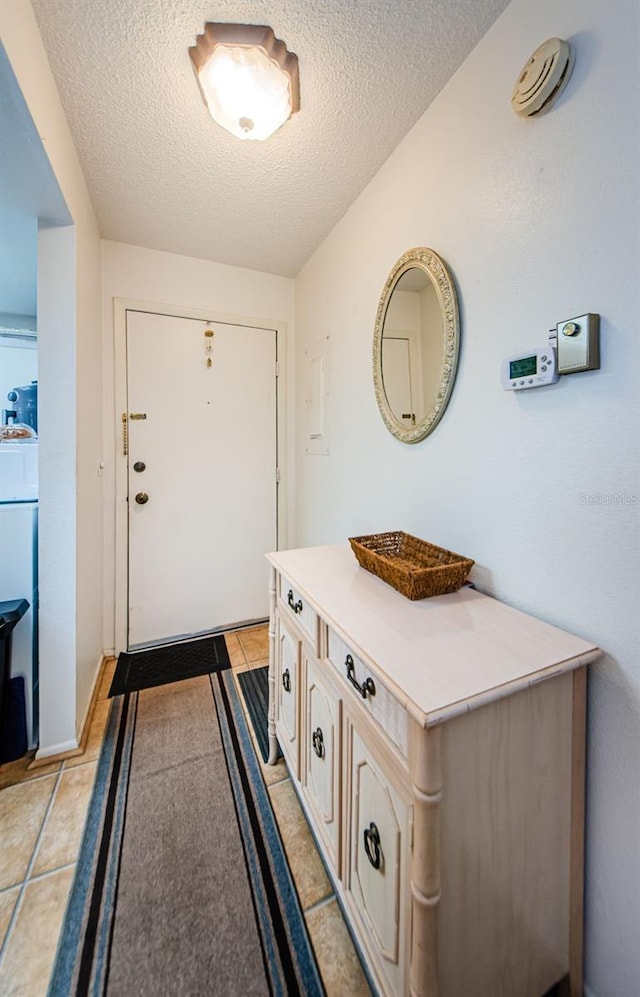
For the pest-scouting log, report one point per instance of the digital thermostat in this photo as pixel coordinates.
(532, 369)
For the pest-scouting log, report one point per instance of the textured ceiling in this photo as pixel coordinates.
(162, 174)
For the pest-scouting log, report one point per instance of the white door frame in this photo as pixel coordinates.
(120, 308)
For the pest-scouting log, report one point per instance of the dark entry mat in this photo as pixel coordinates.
(255, 689)
(137, 670)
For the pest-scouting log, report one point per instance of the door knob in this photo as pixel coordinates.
(142, 498)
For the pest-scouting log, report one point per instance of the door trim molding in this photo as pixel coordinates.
(120, 308)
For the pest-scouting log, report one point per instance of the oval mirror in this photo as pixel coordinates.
(416, 345)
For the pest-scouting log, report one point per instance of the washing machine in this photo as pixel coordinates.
(19, 563)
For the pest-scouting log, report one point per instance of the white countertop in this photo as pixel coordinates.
(444, 655)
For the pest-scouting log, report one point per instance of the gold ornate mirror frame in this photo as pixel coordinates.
(434, 267)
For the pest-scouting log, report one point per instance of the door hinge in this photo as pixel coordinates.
(277, 475)
(277, 368)
(125, 435)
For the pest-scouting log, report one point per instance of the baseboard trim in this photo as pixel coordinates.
(64, 750)
(71, 749)
(85, 723)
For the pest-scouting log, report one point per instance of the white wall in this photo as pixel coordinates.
(18, 249)
(538, 221)
(70, 406)
(133, 273)
(18, 364)
(57, 527)
(90, 490)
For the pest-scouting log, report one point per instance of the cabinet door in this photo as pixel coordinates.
(321, 766)
(288, 658)
(377, 887)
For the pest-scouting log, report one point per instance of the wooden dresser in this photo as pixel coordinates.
(438, 751)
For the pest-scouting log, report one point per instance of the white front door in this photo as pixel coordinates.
(202, 491)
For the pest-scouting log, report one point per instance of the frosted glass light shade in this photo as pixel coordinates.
(248, 79)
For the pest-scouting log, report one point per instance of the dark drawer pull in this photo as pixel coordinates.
(286, 680)
(372, 845)
(368, 686)
(297, 607)
(318, 742)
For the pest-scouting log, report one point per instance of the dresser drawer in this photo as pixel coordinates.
(293, 607)
(383, 707)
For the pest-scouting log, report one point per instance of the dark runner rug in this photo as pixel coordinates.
(137, 670)
(182, 886)
(255, 689)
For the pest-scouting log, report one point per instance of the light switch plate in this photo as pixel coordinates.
(578, 344)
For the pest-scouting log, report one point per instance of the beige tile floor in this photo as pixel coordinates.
(42, 814)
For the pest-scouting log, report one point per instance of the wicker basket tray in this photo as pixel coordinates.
(414, 567)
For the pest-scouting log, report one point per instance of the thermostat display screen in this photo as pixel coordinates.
(523, 367)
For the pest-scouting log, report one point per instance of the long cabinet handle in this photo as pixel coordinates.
(318, 742)
(368, 687)
(297, 607)
(372, 845)
(286, 680)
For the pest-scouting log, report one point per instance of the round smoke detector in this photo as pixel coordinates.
(543, 78)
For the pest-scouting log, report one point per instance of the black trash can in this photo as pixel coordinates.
(13, 716)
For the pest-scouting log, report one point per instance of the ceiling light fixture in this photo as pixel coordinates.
(248, 79)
